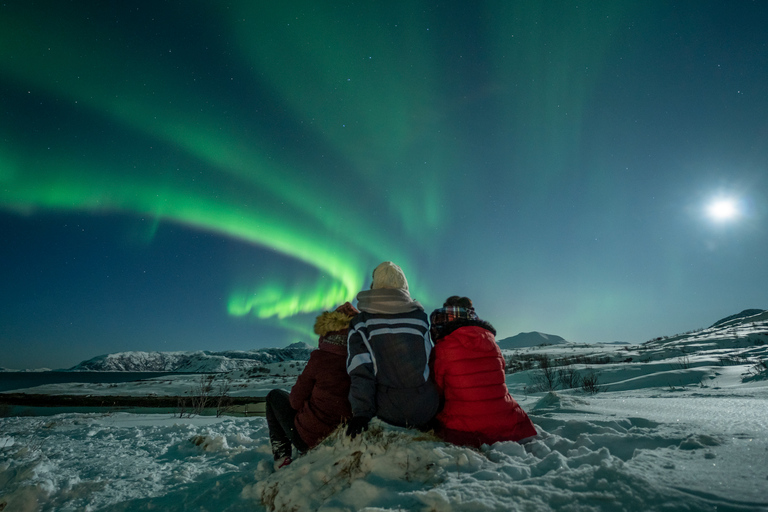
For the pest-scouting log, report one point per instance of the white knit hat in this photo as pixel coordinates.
(389, 275)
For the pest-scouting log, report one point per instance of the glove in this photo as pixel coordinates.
(356, 425)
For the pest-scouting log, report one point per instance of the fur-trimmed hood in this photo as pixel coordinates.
(331, 321)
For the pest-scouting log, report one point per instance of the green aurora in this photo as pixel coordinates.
(244, 192)
(522, 152)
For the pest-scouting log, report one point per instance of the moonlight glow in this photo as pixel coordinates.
(723, 209)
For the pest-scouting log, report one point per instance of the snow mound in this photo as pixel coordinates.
(340, 472)
(577, 465)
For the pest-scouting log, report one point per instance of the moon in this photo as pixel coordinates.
(723, 209)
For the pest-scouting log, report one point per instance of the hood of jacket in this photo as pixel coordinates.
(330, 322)
(449, 327)
(387, 301)
(473, 334)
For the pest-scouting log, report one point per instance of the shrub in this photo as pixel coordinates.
(514, 365)
(223, 401)
(545, 378)
(759, 371)
(198, 397)
(568, 378)
(590, 383)
(683, 363)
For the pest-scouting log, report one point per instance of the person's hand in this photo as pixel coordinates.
(356, 425)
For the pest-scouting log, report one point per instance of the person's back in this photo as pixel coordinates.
(388, 355)
(320, 394)
(317, 402)
(469, 370)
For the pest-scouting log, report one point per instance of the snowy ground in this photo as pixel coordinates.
(682, 426)
(241, 383)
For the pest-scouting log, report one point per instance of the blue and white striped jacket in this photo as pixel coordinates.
(388, 363)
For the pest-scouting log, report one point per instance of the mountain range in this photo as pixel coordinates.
(201, 361)
(204, 361)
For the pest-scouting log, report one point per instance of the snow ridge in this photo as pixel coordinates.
(201, 361)
(738, 317)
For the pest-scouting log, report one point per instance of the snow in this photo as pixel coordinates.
(200, 361)
(680, 423)
(241, 383)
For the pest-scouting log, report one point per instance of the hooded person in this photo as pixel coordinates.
(318, 403)
(388, 356)
(469, 371)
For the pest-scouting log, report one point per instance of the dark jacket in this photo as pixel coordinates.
(320, 395)
(388, 362)
(469, 370)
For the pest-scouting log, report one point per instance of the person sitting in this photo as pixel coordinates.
(469, 371)
(388, 356)
(318, 402)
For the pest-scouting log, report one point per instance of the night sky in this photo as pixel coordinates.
(184, 175)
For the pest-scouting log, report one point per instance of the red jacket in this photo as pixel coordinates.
(469, 370)
(321, 393)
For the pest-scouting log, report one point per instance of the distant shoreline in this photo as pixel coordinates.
(40, 400)
(17, 381)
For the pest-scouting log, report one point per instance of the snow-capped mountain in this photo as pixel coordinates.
(745, 328)
(530, 339)
(201, 361)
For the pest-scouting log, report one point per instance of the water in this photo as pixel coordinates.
(10, 381)
(23, 410)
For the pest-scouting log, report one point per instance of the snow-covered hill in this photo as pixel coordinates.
(738, 317)
(734, 332)
(734, 350)
(530, 339)
(193, 362)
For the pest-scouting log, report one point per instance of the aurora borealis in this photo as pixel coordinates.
(210, 176)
